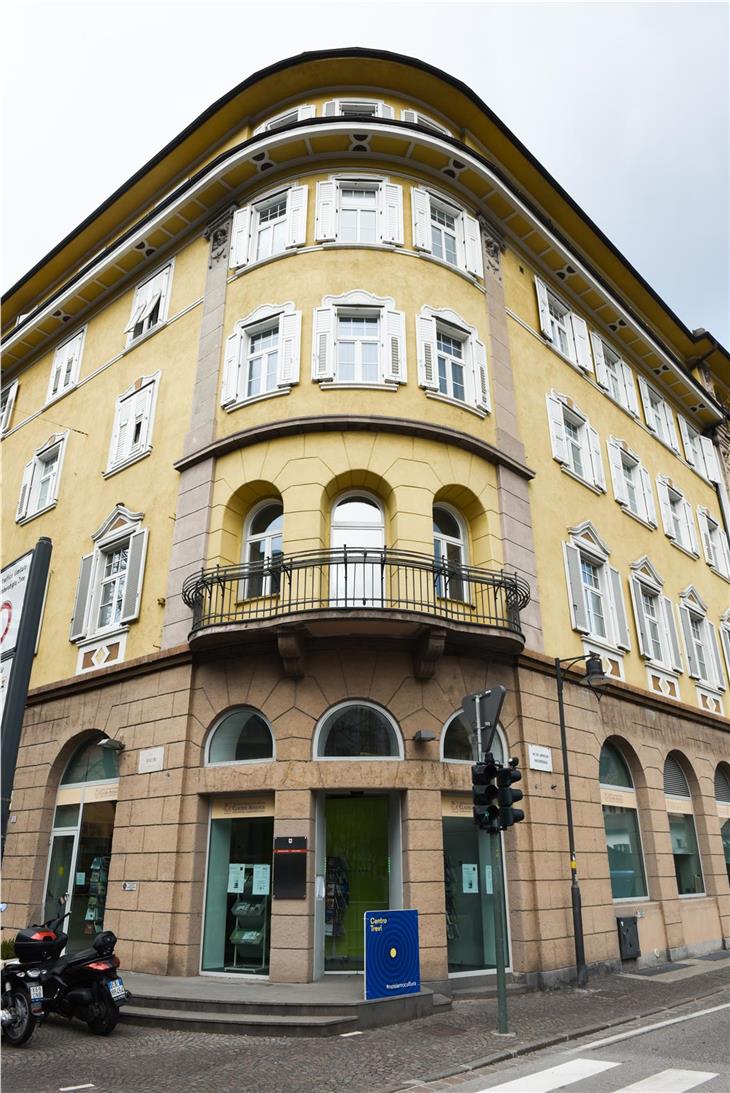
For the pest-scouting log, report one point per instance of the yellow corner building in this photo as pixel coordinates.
(339, 410)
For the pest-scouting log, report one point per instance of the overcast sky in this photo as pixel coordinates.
(626, 104)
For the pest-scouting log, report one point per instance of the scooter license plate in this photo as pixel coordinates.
(116, 989)
(36, 998)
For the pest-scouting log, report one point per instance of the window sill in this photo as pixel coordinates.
(336, 385)
(631, 899)
(146, 336)
(336, 243)
(719, 572)
(53, 399)
(230, 406)
(455, 402)
(31, 516)
(684, 549)
(665, 443)
(617, 402)
(97, 636)
(255, 263)
(635, 516)
(470, 277)
(583, 481)
(110, 471)
(692, 895)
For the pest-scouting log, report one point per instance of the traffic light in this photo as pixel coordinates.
(507, 797)
(484, 794)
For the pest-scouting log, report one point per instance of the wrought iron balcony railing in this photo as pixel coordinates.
(352, 581)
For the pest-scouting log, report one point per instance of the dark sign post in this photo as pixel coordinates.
(29, 603)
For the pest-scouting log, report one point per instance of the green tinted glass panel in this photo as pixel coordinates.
(625, 862)
(687, 866)
(66, 816)
(469, 894)
(612, 770)
(91, 764)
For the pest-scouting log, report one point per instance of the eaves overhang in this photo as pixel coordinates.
(310, 145)
(375, 68)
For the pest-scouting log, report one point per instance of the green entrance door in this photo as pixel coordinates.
(469, 891)
(357, 875)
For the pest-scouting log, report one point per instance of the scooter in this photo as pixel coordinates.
(21, 1002)
(84, 985)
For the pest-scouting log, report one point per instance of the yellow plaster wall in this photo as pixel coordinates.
(560, 502)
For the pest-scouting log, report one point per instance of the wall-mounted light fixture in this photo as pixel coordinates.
(424, 736)
(111, 745)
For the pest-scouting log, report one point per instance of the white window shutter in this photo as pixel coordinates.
(296, 212)
(632, 404)
(120, 436)
(325, 224)
(600, 360)
(8, 410)
(648, 496)
(723, 562)
(140, 301)
(671, 631)
(594, 444)
(665, 507)
(394, 346)
(306, 112)
(705, 536)
(386, 111)
(684, 615)
(231, 365)
(556, 418)
(426, 339)
(715, 652)
(481, 377)
(689, 449)
(81, 600)
(391, 197)
(410, 116)
(25, 488)
(690, 525)
(582, 348)
(639, 618)
(290, 336)
(646, 403)
(672, 429)
(473, 246)
(619, 610)
(710, 455)
(615, 462)
(421, 201)
(543, 306)
(144, 401)
(725, 635)
(135, 575)
(331, 108)
(323, 344)
(578, 614)
(240, 237)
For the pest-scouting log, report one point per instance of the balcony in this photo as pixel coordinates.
(348, 592)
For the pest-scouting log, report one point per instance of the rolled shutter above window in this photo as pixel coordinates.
(135, 575)
(675, 782)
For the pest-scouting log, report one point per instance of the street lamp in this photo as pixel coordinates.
(594, 676)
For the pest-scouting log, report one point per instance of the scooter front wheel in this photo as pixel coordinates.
(19, 1029)
(106, 1016)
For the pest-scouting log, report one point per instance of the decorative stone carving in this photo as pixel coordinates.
(492, 247)
(290, 644)
(219, 234)
(428, 651)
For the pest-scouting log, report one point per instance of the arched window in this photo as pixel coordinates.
(262, 551)
(621, 824)
(449, 553)
(241, 736)
(91, 764)
(358, 528)
(687, 864)
(722, 796)
(458, 742)
(357, 730)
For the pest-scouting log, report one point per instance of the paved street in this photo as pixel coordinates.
(407, 1056)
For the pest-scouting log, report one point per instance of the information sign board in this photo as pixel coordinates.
(392, 965)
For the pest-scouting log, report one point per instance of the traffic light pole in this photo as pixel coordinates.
(580, 956)
(495, 853)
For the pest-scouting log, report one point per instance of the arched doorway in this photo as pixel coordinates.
(81, 842)
(358, 537)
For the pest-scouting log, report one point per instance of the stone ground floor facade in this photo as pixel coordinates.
(170, 842)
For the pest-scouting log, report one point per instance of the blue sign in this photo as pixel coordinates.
(391, 954)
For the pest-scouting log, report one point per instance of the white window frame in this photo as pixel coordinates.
(334, 108)
(443, 589)
(9, 394)
(577, 351)
(677, 516)
(658, 415)
(151, 297)
(416, 117)
(248, 540)
(388, 209)
(122, 527)
(614, 375)
(620, 459)
(357, 758)
(303, 113)
(392, 342)
(585, 544)
(699, 451)
(469, 258)
(429, 322)
(714, 542)
(562, 415)
(646, 581)
(29, 498)
(289, 321)
(698, 631)
(140, 402)
(246, 224)
(66, 365)
(725, 639)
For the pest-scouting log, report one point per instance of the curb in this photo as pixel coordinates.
(548, 1041)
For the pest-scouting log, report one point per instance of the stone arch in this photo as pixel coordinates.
(476, 520)
(225, 546)
(368, 482)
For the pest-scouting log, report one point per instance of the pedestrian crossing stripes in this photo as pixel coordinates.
(581, 1070)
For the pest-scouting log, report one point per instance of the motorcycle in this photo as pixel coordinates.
(85, 985)
(21, 1003)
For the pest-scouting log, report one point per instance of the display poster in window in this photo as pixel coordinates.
(469, 878)
(392, 964)
(236, 874)
(488, 885)
(14, 585)
(261, 880)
